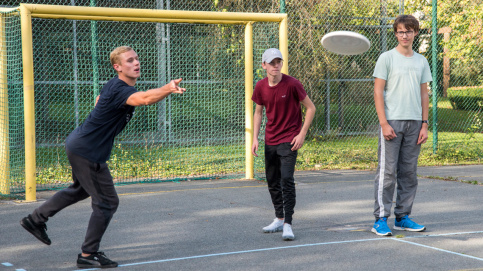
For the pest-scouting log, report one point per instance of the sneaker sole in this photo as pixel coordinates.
(408, 229)
(96, 266)
(274, 230)
(288, 238)
(30, 230)
(381, 234)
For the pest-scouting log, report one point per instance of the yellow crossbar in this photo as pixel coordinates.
(132, 19)
(183, 15)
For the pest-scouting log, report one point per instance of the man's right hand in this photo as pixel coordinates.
(174, 86)
(388, 132)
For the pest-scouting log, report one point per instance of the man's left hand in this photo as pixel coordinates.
(297, 142)
(423, 134)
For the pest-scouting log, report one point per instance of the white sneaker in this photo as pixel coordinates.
(277, 225)
(287, 232)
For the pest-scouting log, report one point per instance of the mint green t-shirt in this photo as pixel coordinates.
(404, 76)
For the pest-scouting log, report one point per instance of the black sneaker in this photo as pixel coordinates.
(37, 230)
(95, 260)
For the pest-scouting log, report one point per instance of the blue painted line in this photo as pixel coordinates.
(7, 264)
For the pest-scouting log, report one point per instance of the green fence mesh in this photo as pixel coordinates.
(11, 105)
(201, 134)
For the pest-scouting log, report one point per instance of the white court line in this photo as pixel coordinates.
(444, 234)
(315, 244)
(439, 249)
(244, 251)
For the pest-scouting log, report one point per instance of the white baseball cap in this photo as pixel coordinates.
(271, 54)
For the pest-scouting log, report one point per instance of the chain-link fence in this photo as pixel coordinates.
(201, 134)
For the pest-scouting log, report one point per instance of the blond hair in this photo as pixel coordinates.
(114, 56)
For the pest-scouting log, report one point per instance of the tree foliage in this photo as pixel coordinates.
(465, 46)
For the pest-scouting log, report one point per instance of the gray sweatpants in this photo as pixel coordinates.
(398, 163)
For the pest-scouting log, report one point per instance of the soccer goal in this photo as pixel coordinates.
(55, 59)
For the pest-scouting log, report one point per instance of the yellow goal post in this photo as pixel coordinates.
(29, 11)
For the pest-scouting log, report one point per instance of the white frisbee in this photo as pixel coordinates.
(345, 42)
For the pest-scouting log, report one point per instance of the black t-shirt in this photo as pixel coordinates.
(94, 138)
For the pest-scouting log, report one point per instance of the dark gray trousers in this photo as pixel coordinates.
(398, 163)
(90, 179)
(279, 168)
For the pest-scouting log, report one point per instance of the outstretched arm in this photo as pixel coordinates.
(155, 95)
(298, 141)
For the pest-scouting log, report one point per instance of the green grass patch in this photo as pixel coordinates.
(8, 197)
(148, 163)
(341, 153)
(157, 162)
(466, 98)
(451, 120)
(453, 149)
(453, 179)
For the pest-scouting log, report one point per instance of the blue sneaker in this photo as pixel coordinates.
(406, 224)
(381, 228)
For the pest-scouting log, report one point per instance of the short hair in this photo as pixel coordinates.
(114, 56)
(408, 21)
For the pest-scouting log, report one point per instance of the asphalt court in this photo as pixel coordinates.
(216, 225)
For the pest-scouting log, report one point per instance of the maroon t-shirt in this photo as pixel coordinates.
(282, 107)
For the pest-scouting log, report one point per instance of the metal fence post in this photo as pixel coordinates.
(94, 54)
(434, 85)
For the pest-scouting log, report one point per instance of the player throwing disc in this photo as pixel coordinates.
(345, 43)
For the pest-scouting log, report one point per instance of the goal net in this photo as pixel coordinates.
(197, 135)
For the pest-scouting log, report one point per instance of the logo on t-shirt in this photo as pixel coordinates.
(283, 96)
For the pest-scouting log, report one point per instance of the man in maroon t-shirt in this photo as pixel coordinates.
(281, 95)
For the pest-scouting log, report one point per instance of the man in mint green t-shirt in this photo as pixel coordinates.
(402, 102)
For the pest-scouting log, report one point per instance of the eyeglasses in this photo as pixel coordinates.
(402, 33)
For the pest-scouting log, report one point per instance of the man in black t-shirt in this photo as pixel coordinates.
(88, 149)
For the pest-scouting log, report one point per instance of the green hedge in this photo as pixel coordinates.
(466, 98)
